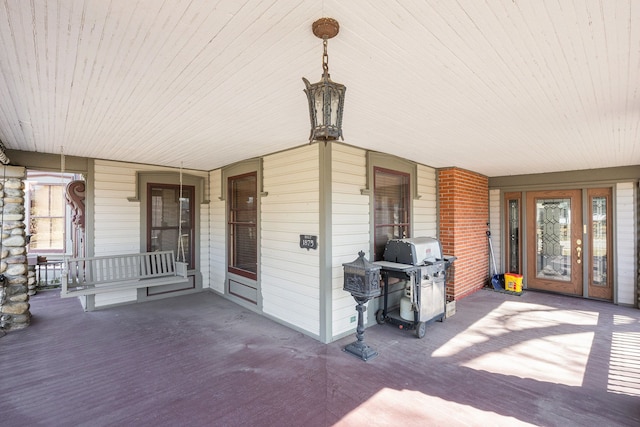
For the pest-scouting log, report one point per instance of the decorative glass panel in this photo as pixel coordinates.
(599, 243)
(553, 239)
(514, 236)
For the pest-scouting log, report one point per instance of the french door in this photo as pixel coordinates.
(568, 235)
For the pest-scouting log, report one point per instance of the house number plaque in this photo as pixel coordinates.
(308, 242)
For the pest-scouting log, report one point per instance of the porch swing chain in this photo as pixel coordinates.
(181, 255)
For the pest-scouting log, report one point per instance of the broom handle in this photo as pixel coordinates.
(493, 258)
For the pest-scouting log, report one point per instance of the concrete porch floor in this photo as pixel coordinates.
(200, 360)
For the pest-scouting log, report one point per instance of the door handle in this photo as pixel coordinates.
(579, 254)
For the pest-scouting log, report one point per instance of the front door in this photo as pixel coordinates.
(565, 252)
(555, 243)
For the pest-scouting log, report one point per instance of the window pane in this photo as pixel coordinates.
(47, 214)
(244, 242)
(164, 240)
(47, 200)
(40, 200)
(391, 198)
(166, 209)
(48, 233)
(243, 215)
(57, 202)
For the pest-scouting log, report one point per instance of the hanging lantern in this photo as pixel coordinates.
(326, 98)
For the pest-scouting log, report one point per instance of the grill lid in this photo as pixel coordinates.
(415, 251)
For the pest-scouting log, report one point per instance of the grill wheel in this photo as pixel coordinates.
(421, 329)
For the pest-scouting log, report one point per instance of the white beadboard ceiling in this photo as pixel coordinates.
(499, 87)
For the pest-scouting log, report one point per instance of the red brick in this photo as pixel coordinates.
(464, 212)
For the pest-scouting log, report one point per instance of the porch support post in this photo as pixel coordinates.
(14, 290)
(326, 243)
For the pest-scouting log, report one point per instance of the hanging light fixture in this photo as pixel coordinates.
(326, 98)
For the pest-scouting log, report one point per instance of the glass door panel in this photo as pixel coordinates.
(599, 238)
(513, 214)
(553, 241)
(555, 246)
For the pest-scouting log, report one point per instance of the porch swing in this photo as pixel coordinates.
(95, 275)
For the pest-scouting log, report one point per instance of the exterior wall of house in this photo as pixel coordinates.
(289, 275)
(626, 250)
(290, 278)
(464, 213)
(350, 228)
(205, 247)
(217, 233)
(116, 219)
(425, 207)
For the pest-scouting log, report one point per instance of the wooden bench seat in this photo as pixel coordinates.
(90, 276)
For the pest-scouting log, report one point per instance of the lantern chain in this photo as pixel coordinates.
(325, 56)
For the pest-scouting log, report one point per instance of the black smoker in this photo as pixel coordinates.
(420, 262)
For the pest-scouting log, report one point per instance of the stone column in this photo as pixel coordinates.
(14, 292)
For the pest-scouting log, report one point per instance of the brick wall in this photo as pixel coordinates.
(463, 215)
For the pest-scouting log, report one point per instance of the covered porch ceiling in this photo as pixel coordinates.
(499, 87)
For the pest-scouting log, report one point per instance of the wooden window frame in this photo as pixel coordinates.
(507, 237)
(232, 222)
(52, 188)
(406, 208)
(192, 219)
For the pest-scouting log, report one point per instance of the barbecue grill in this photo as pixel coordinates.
(420, 264)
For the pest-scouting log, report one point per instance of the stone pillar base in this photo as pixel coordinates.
(14, 282)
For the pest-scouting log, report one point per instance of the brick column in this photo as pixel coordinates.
(14, 292)
(463, 198)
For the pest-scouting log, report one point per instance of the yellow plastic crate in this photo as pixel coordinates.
(513, 282)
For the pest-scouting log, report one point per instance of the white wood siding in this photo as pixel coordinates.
(205, 234)
(350, 230)
(290, 276)
(425, 214)
(116, 220)
(217, 229)
(495, 226)
(626, 249)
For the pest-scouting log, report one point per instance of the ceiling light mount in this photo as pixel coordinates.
(325, 28)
